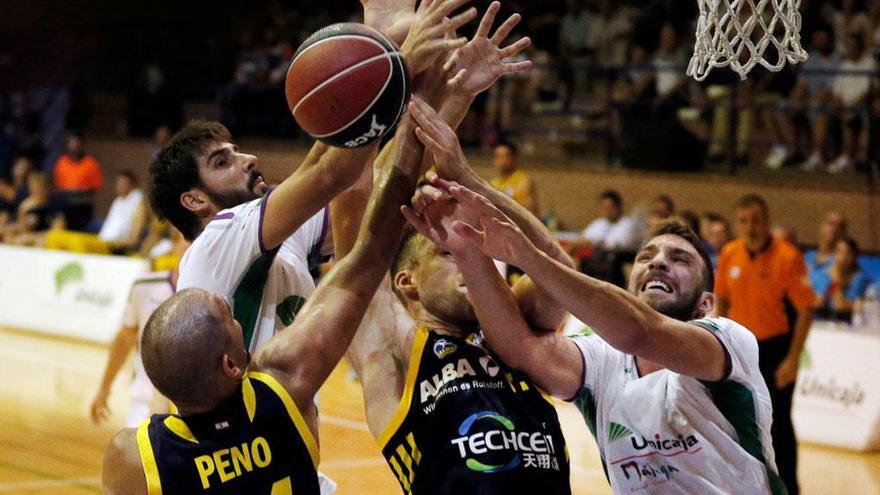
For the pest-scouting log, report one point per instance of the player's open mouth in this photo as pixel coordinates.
(655, 284)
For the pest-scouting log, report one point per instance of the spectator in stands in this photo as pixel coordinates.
(36, 214)
(851, 91)
(842, 284)
(78, 177)
(832, 229)
(512, 181)
(7, 196)
(614, 231)
(669, 78)
(692, 220)
(14, 191)
(850, 18)
(127, 219)
(122, 230)
(773, 94)
(574, 29)
(743, 104)
(715, 232)
(814, 92)
(662, 208)
(645, 118)
(613, 239)
(573, 46)
(758, 275)
(786, 233)
(161, 136)
(608, 33)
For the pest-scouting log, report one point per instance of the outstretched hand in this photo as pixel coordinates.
(480, 62)
(432, 33)
(496, 235)
(393, 18)
(440, 140)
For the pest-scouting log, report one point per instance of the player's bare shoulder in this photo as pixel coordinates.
(122, 471)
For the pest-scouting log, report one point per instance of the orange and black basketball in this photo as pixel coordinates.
(347, 85)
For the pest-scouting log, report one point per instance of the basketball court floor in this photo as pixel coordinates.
(49, 446)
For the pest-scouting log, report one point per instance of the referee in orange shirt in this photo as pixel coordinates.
(758, 275)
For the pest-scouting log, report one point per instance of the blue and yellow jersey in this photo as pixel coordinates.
(256, 442)
(467, 423)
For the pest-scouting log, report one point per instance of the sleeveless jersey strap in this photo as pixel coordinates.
(148, 460)
(295, 415)
(415, 359)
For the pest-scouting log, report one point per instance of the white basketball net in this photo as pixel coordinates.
(738, 33)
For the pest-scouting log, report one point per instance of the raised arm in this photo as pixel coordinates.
(326, 171)
(476, 66)
(549, 358)
(302, 356)
(623, 321)
(536, 305)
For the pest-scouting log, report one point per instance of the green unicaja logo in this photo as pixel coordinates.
(617, 431)
(67, 274)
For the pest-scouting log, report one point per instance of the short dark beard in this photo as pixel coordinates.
(231, 199)
(684, 309)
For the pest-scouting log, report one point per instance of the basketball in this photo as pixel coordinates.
(347, 85)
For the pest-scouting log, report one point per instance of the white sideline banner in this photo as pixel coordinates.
(837, 396)
(73, 295)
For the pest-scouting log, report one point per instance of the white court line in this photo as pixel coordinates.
(38, 484)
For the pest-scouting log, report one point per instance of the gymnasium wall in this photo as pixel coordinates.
(571, 194)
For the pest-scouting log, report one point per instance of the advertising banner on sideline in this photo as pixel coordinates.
(837, 396)
(67, 294)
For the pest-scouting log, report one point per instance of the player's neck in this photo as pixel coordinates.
(193, 409)
(438, 325)
(645, 367)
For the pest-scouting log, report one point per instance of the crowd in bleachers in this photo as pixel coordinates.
(618, 63)
(623, 64)
(56, 210)
(840, 275)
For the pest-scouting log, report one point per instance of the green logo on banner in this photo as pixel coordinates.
(67, 274)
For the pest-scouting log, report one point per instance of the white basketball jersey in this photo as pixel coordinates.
(666, 433)
(265, 289)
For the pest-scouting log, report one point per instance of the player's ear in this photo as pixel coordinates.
(404, 283)
(231, 368)
(705, 306)
(196, 201)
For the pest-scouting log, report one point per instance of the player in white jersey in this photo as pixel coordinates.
(675, 400)
(251, 245)
(148, 292)
(265, 288)
(245, 240)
